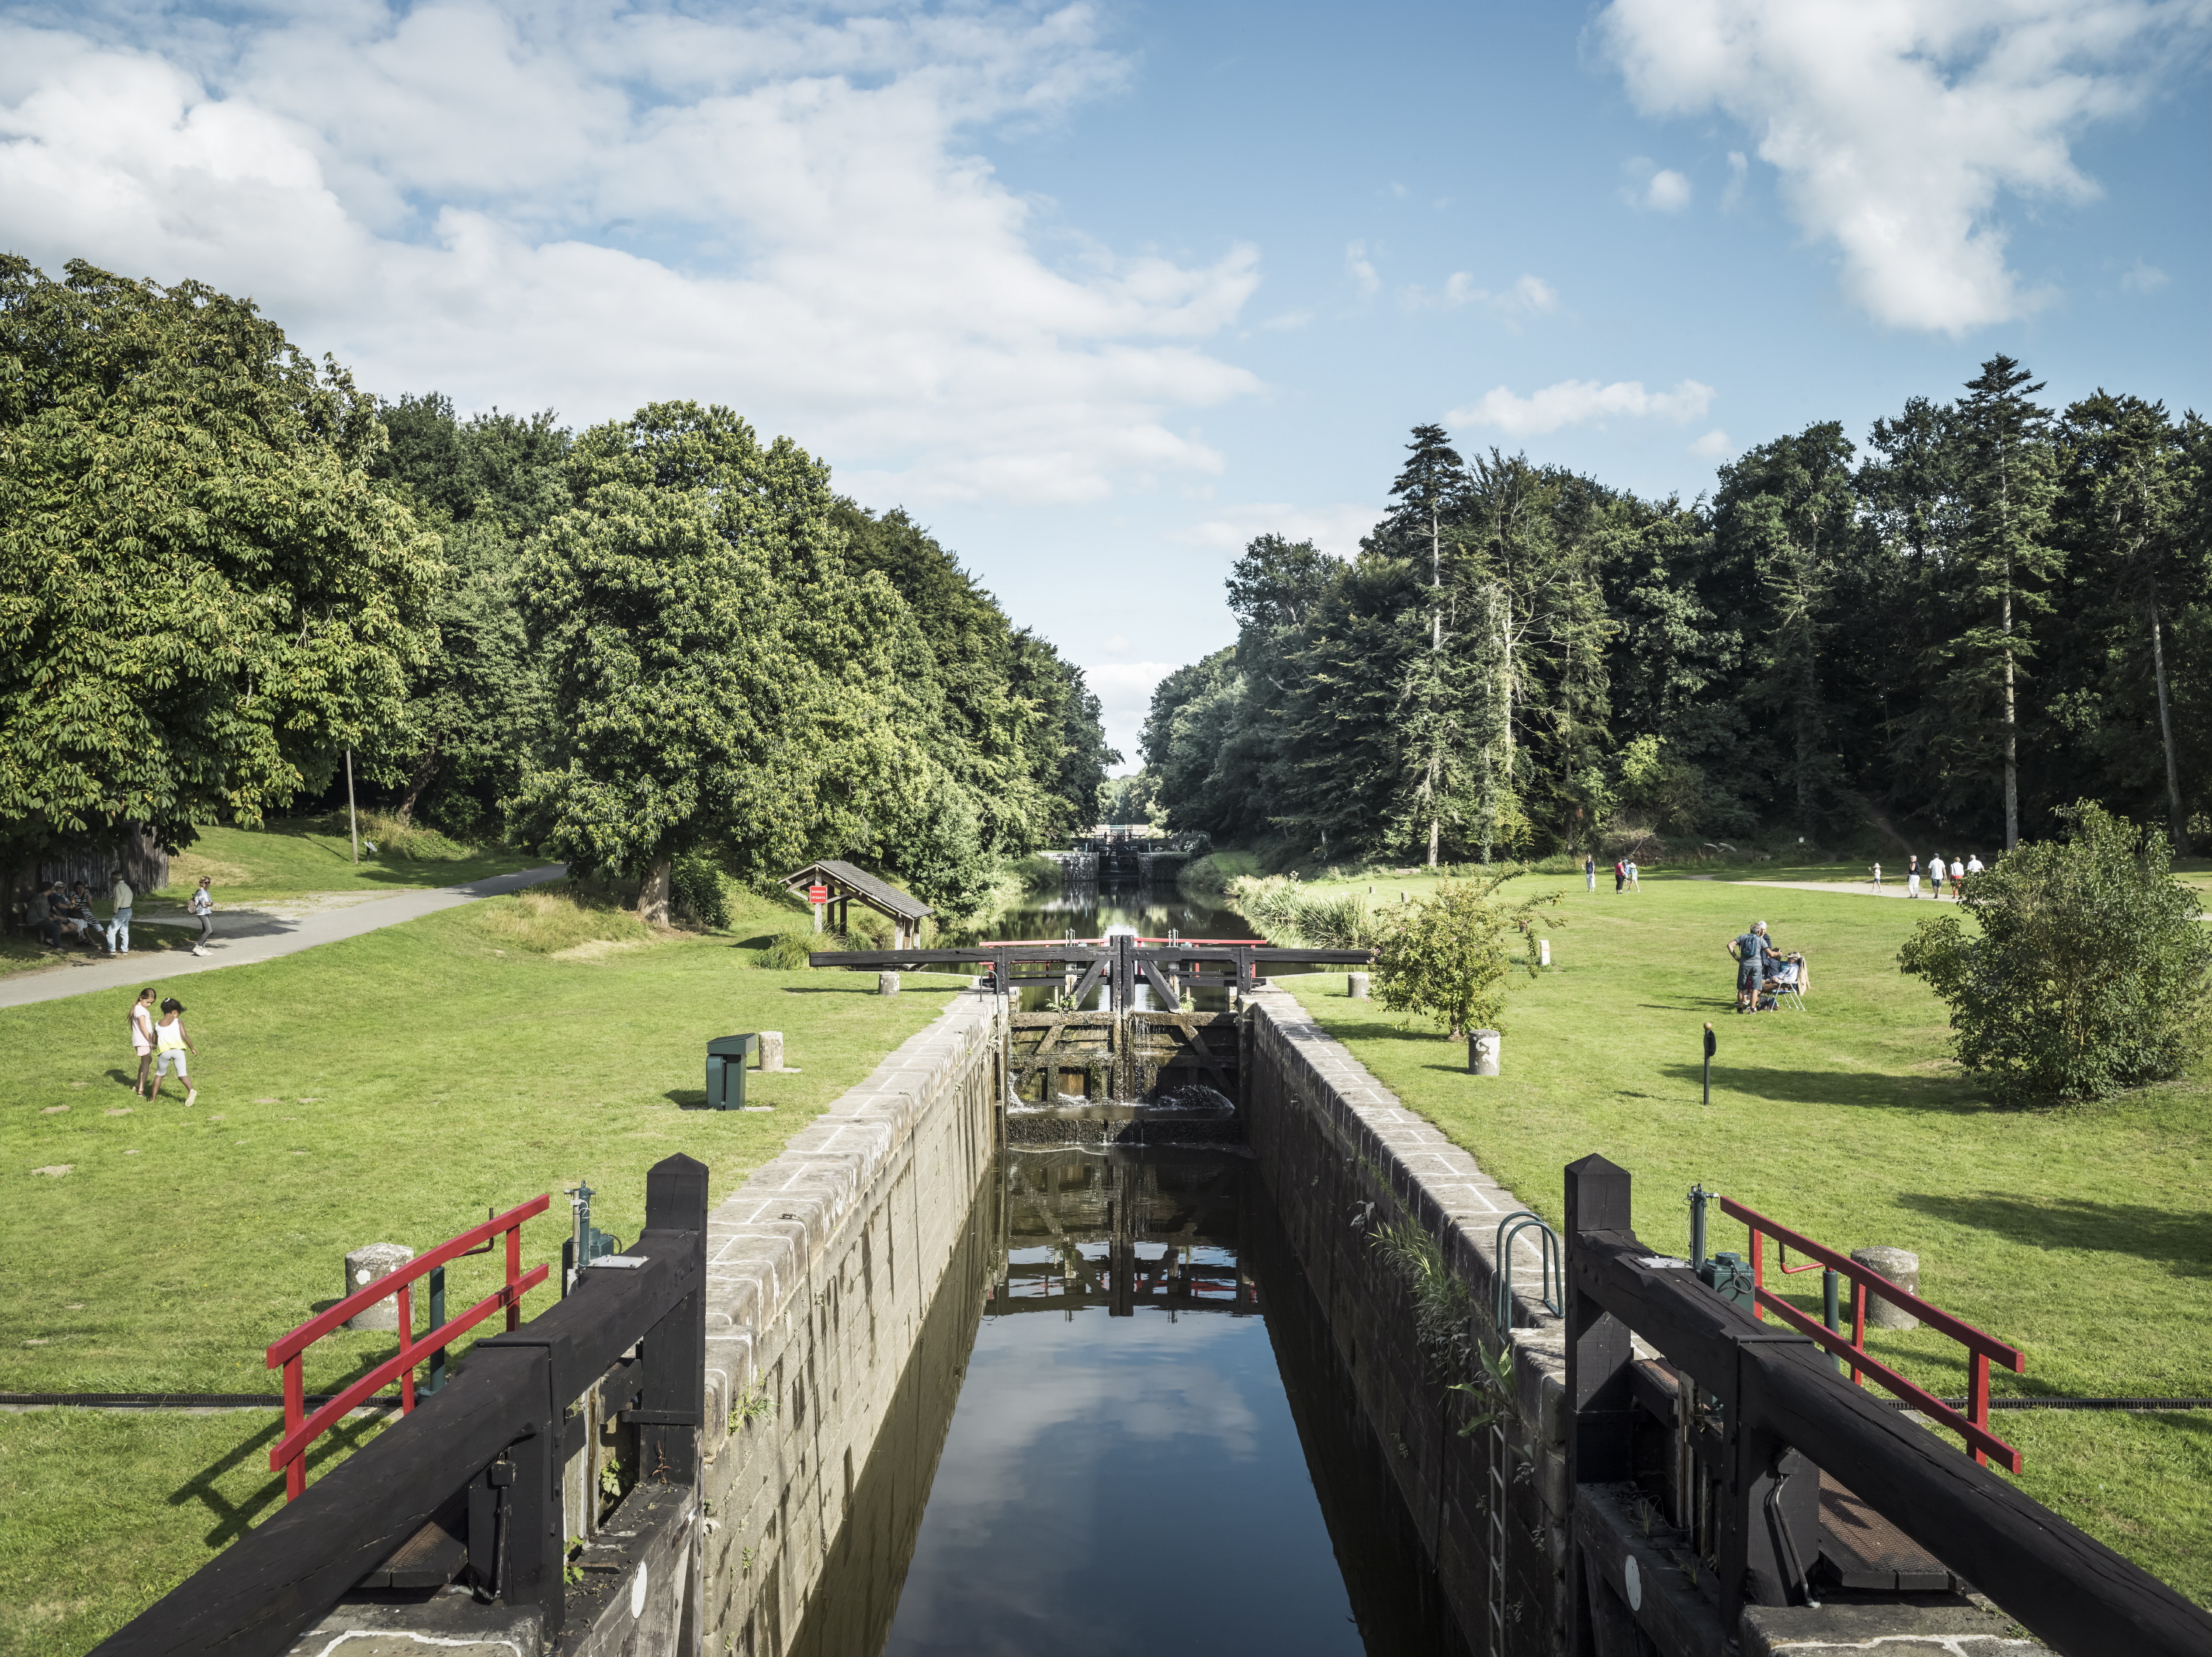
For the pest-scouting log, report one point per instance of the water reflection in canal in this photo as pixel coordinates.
(1148, 1443)
(1088, 911)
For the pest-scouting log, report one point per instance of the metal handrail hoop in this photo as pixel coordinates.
(1551, 1275)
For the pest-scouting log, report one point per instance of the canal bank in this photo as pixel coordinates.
(1054, 1431)
(1229, 1366)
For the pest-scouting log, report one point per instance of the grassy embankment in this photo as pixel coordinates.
(391, 1088)
(2083, 1236)
(315, 855)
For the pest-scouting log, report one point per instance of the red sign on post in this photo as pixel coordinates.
(817, 895)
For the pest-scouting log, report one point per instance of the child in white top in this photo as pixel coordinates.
(142, 1039)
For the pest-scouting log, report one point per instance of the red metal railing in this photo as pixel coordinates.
(1974, 1425)
(289, 1453)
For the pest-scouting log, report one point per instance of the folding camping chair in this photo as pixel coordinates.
(1789, 989)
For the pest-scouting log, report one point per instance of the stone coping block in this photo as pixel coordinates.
(1832, 1630)
(764, 1237)
(1437, 1181)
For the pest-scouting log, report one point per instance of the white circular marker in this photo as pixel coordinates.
(1635, 1585)
(361, 1277)
(637, 1595)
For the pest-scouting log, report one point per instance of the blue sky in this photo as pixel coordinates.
(1099, 291)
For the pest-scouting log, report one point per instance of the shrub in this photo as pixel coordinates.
(1270, 903)
(395, 837)
(787, 951)
(1450, 954)
(2090, 972)
(1290, 913)
(544, 919)
(697, 883)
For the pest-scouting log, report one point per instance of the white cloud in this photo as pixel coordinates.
(1668, 192)
(1739, 175)
(1335, 529)
(1654, 188)
(2140, 278)
(1360, 268)
(1713, 446)
(592, 205)
(1529, 296)
(1578, 402)
(1894, 124)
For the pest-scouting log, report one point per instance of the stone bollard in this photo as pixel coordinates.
(886, 983)
(363, 1266)
(1483, 1055)
(1543, 951)
(771, 1049)
(1355, 986)
(1902, 1268)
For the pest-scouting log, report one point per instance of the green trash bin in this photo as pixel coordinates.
(725, 1071)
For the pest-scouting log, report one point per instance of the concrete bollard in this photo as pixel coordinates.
(1543, 951)
(364, 1266)
(886, 983)
(1902, 1268)
(771, 1050)
(1483, 1054)
(1355, 986)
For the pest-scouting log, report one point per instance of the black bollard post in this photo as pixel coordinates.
(1712, 1042)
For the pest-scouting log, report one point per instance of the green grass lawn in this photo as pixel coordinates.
(292, 858)
(391, 1088)
(2083, 1236)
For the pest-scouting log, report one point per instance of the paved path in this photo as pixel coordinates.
(245, 936)
(1891, 886)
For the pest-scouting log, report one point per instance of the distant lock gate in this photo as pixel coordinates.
(1142, 1041)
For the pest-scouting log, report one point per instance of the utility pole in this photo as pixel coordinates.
(353, 819)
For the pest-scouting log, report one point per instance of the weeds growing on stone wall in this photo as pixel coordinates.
(1442, 1308)
(1490, 1393)
(753, 1405)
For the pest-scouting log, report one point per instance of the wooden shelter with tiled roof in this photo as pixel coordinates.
(843, 883)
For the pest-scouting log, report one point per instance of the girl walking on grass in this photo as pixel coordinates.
(141, 1040)
(171, 1044)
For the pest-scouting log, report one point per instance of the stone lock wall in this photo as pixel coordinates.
(1342, 1156)
(822, 1270)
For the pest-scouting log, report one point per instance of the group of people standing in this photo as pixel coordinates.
(60, 914)
(1956, 873)
(1624, 874)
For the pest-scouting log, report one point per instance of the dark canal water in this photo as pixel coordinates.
(1124, 1428)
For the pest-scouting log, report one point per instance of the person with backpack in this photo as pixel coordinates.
(203, 907)
(171, 1045)
(1748, 950)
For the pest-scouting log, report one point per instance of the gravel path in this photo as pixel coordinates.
(1891, 886)
(262, 933)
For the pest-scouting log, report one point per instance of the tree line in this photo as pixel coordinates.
(1991, 610)
(659, 639)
